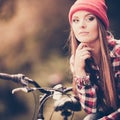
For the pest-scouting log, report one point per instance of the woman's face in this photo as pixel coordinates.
(85, 26)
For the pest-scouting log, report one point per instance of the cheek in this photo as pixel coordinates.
(75, 31)
(95, 31)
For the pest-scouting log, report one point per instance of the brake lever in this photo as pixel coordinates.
(23, 89)
(24, 80)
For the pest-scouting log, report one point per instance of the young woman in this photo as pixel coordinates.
(95, 60)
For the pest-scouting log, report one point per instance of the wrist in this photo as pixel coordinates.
(82, 80)
(80, 73)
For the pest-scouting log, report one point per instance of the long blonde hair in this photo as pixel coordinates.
(106, 73)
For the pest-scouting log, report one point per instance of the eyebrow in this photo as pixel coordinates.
(76, 16)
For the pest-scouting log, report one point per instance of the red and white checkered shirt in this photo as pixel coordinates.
(88, 94)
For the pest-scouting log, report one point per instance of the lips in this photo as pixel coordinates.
(83, 33)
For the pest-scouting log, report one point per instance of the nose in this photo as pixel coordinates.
(82, 24)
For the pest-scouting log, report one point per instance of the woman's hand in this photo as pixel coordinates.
(78, 63)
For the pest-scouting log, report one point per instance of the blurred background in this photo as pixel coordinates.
(33, 37)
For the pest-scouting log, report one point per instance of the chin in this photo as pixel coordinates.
(84, 41)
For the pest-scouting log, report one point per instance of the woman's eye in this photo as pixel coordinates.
(75, 20)
(90, 18)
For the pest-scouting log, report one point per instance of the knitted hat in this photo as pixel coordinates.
(96, 7)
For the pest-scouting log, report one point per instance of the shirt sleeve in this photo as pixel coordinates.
(88, 98)
(113, 116)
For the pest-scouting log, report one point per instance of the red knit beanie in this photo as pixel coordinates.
(96, 7)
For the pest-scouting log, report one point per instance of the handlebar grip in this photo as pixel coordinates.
(14, 77)
(18, 78)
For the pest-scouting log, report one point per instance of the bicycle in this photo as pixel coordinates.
(67, 107)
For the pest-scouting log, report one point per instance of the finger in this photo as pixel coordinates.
(85, 55)
(86, 49)
(84, 46)
(81, 45)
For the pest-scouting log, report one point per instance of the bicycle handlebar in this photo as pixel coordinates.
(24, 81)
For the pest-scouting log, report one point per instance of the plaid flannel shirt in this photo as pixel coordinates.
(87, 94)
